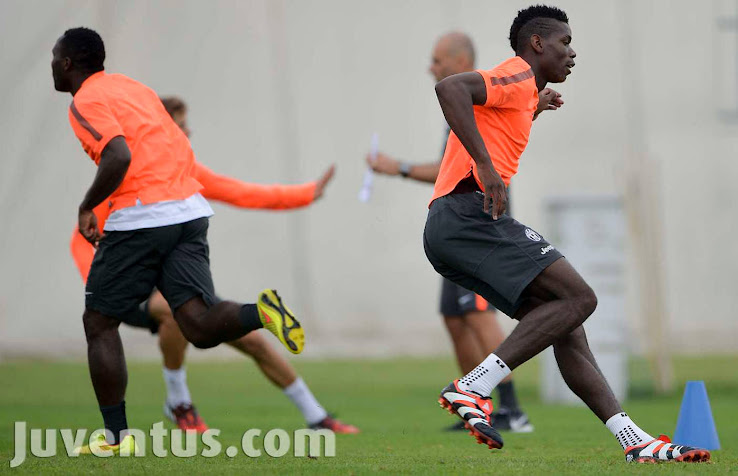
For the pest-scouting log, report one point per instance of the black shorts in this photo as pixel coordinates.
(497, 259)
(456, 300)
(140, 317)
(129, 264)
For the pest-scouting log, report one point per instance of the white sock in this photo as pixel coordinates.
(485, 376)
(627, 432)
(299, 393)
(177, 391)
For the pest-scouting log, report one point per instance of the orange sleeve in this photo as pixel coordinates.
(82, 253)
(94, 125)
(495, 93)
(251, 195)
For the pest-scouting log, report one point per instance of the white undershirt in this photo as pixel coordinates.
(158, 214)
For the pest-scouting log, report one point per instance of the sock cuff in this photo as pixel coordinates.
(613, 421)
(114, 417)
(174, 372)
(178, 393)
(301, 396)
(493, 360)
(113, 408)
(626, 431)
(485, 376)
(295, 386)
(249, 318)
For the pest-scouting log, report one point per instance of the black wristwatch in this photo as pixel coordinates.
(405, 169)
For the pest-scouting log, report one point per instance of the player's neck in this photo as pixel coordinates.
(533, 62)
(540, 82)
(77, 80)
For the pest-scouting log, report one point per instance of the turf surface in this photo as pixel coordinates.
(392, 401)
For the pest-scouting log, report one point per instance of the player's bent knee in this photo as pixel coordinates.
(587, 302)
(159, 309)
(580, 307)
(96, 323)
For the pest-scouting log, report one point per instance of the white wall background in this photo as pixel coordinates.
(280, 89)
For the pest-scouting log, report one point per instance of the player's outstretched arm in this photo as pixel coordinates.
(548, 100)
(323, 181)
(114, 162)
(386, 165)
(458, 94)
(250, 195)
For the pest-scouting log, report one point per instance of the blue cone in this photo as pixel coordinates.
(695, 426)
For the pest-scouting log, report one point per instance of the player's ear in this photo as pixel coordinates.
(536, 42)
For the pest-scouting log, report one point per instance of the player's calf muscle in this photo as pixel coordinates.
(253, 344)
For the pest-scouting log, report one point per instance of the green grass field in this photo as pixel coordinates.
(392, 401)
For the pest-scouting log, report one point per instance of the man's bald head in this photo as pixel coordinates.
(452, 54)
(458, 44)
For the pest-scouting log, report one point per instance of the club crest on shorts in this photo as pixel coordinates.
(532, 235)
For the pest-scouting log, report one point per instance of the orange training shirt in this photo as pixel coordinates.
(216, 187)
(111, 105)
(504, 123)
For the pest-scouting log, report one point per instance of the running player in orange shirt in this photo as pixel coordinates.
(156, 315)
(470, 320)
(156, 231)
(490, 114)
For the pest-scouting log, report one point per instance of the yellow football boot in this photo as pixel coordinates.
(280, 321)
(100, 445)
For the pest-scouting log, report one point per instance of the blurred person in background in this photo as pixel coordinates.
(470, 320)
(156, 315)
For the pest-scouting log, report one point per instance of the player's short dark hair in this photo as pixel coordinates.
(534, 20)
(85, 48)
(173, 105)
